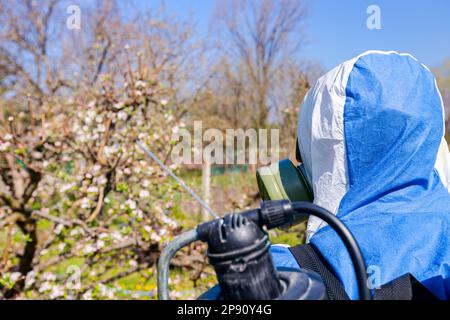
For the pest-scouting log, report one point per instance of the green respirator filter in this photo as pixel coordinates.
(282, 180)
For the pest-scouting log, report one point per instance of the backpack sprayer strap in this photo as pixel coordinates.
(405, 287)
(309, 259)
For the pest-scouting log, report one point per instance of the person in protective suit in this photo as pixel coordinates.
(371, 138)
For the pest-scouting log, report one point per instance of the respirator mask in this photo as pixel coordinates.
(283, 180)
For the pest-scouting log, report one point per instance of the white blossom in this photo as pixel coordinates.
(74, 232)
(89, 248)
(117, 236)
(59, 228)
(61, 247)
(66, 186)
(131, 204)
(122, 115)
(45, 286)
(87, 295)
(15, 276)
(105, 291)
(138, 213)
(103, 235)
(92, 189)
(48, 276)
(102, 180)
(85, 203)
(30, 279)
(144, 193)
(140, 84)
(100, 244)
(57, 291)
(133, 263)
(4, 146)
(155, 237)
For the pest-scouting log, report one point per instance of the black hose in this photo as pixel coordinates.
(348, 239)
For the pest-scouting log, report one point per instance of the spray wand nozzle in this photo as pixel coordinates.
(271, 215)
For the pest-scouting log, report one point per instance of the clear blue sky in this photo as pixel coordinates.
(336, 29)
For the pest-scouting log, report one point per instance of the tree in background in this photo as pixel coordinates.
(256, 38)
(74, 191)
(257, 78)
(80, 208)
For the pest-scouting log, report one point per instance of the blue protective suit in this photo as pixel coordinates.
(371, 134)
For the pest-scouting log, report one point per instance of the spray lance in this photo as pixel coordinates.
(238, 250)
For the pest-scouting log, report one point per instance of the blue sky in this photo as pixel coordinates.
(336, 29)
